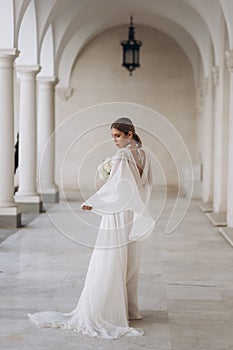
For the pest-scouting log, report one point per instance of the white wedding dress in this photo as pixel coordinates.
(109, 297)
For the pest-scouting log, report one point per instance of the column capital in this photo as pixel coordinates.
(27, 72)
(7, 57)
(9, 53)
(47, 80)
(215, 75)
(229, 60)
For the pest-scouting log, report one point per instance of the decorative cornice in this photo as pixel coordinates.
(215, 75)
(229, 60)
(64, 93)
(201, 93)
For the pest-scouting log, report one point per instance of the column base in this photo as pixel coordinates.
(217, 219)
(29, 204)
(50, 195)
(206, 207)
(31, 207)
(10, 217)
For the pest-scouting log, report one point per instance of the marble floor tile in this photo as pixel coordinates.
(185, 287)
(201, 330)
(182, 292)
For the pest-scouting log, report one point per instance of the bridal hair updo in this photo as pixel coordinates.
(125, 125)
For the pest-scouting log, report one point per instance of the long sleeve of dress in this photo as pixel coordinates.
(123, 191)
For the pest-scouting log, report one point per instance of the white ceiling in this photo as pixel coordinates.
(53, 32)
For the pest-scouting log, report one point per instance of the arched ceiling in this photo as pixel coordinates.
(194, 24)
(77, 42)
(211, 13)
(227, 6)
(82, 20)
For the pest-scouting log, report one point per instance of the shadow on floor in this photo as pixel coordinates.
(25, 220)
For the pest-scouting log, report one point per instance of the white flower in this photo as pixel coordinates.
(104, 168)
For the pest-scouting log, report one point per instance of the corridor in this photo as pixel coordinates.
(185, 294)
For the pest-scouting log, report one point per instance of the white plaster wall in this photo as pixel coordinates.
(27, 38)
(6, 24)
(164, 83)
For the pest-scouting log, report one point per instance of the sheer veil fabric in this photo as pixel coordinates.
(109, 297)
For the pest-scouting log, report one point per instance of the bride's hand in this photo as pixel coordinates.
(86, 207)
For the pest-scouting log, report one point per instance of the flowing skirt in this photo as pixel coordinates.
(109, 297)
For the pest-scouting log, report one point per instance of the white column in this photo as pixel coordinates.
(229, 57)
(27, 195)
(220, 143)
(46, 139)
(207, 141)
(9, 211)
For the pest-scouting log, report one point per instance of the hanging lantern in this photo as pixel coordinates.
(131, 49)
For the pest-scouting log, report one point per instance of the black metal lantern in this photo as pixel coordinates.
(131, 49)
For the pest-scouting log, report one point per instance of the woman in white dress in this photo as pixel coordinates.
(109, 298)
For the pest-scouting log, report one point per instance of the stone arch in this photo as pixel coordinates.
(227, 7)
(211, 12)
(47, 54)
(28, 38)
(65, 62)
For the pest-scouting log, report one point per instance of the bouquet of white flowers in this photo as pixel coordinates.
(104, 168)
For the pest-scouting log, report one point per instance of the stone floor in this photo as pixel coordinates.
(186, 282)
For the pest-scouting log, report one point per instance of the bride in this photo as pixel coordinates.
(109, 298)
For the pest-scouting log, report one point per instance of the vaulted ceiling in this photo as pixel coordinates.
(52, 32)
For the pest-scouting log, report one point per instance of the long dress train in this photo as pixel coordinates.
(109, 297)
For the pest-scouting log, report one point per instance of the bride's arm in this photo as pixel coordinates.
(120, 192)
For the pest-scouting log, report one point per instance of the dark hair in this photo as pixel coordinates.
(125, 125)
